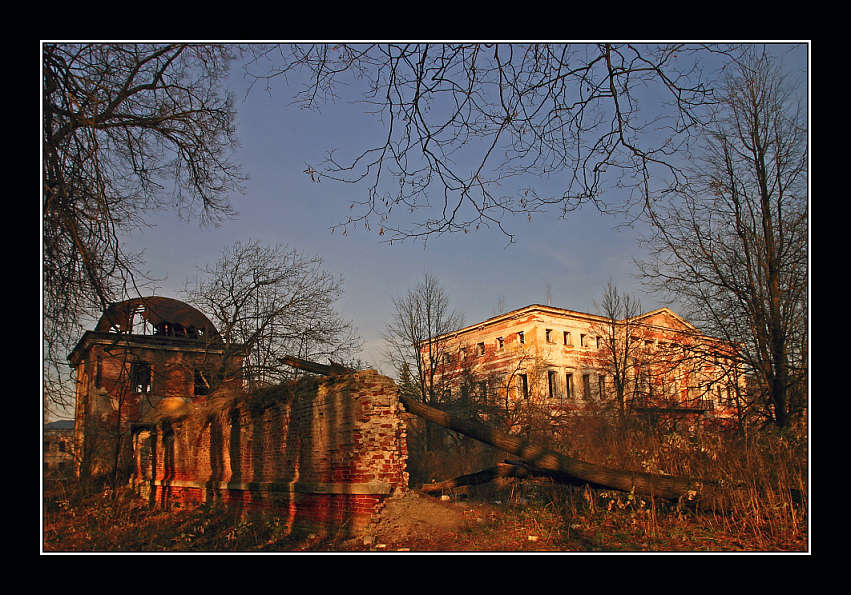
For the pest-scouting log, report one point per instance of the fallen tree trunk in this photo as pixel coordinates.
(572, 470)
(505, 469)
(326, 370)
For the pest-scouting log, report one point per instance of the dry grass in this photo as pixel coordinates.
(769, 514)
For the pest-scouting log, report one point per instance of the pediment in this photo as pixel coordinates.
(665, 318)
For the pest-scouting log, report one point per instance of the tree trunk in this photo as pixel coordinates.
(568, 468)
(505, 469)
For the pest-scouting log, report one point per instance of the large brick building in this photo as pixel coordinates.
(564, 359)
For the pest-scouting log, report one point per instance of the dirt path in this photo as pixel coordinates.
(417, 521)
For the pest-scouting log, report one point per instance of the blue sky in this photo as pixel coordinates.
(574, 257)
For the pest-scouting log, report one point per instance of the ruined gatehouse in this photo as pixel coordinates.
(327, 450)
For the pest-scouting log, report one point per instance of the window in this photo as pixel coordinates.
(521, 337)
(548, 334)
(481, 348)
(599, 342)
(551, 381)
(586, 387)
(567, 340)
(463, 352)
(601, 385)
(483, 391)
(582, 340)
(500, 342)
(648, 379)
(202, 385)
(524, 386)
(568, 385)
(140, 377)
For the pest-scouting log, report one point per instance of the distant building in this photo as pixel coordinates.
(59, 446)
(562, 359)
(145, 355)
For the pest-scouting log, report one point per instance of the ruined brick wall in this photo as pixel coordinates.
(324, 450)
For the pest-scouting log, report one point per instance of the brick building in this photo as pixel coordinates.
(144, 355)
(563, 359)
(156, 383)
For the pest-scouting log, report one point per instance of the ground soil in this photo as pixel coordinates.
(420, 522)
(414, 520)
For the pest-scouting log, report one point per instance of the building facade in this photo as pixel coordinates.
(58, 447)
(574, 362)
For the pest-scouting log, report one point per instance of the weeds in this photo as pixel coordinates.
(766, 477)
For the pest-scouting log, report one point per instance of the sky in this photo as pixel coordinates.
(573, 258)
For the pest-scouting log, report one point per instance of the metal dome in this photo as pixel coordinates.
(167, 317)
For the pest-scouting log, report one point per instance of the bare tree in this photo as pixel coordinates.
(731, 243)
(415, 337)
(462, 122)
(621, 342)
(126, 128)
(273, 301)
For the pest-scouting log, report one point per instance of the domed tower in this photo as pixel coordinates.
(145, 355)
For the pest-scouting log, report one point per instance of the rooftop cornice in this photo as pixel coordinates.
(167, 343)
(691, 329)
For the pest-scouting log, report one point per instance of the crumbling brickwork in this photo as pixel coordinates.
(323, 450)
(144, 355)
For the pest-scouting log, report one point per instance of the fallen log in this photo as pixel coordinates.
(505, 469)
(569, 469)
(331, 369)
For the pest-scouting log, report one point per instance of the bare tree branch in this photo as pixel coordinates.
(467, 125)
(126, 128)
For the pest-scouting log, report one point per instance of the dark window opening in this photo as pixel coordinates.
(551, 382)
(586, 386)
(481, 348)
(140, 377)
(568, 384)
(522, 337)
(524, 386)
